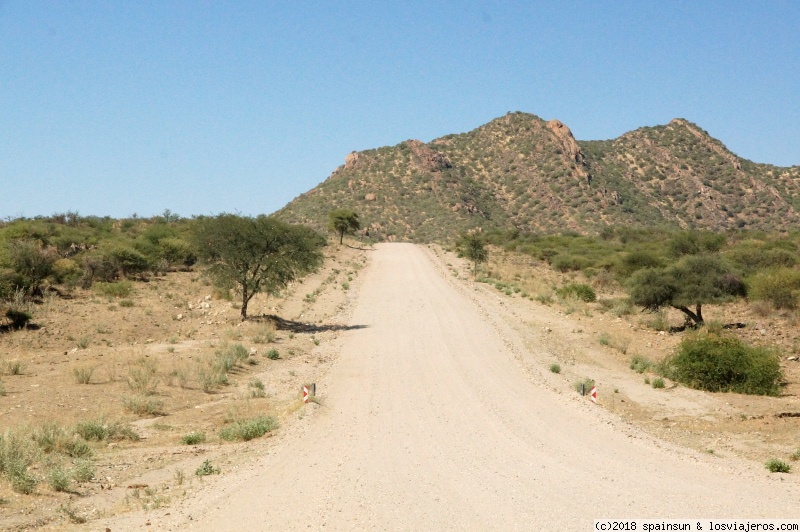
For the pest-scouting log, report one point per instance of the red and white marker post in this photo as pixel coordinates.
(593, 394)
(305, 394)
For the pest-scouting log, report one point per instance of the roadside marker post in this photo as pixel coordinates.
(305, 394)
(593, 394)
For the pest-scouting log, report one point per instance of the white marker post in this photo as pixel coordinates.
(305, 394)
(593, 394)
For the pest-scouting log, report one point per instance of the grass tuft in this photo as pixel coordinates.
(194, 438)
(249, 429)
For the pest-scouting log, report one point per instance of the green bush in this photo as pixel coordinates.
(777, 466)
(58, 478)
(67, 271)
(129, 260)
(17, 454)
(101, 430)
(569, 263)
(249, 429)
(724, 364)
(585, 385)
(584, 292)
(84, 470)
(194, 438)
(555, 368)
(206, 469)
(640, 363)
(781, 287)
(637, 260)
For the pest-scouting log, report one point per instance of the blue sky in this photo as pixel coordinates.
(114, 108)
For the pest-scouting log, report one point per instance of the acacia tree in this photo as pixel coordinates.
(255, 255)
(694, 281)
(343, 221)
(473, 247)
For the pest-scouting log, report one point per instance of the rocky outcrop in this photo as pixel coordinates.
(427, 159)
(568, 143)
(351, 160)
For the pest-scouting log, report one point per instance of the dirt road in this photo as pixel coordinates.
(429, 423)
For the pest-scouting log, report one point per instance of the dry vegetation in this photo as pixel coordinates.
(618, 346)
(519, 170)
(135, 392)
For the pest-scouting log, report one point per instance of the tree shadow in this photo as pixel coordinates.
(6, 328)
(300, 327)
(358, 248)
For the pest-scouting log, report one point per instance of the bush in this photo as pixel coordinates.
(18, 319)
(32, 262)
(567, 263)
(211, 377)
(143, 406)
(67, 271)
(17, 454)
(777, 466)
(584, 292)
(640, 363)
(255, 388)
(249, 429)
(724, 364)
(143, 377)
(206, 469)
(585, 385)
(83, 375)
(194, 438)
(58, 478)
(637, 260)
(101, 430)
(555, 368)
(265, 334)
(129, 260)
(84, 470)
(99, 267)
(780, 287)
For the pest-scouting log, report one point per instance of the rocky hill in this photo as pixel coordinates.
(521, 171)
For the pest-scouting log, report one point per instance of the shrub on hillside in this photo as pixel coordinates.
(67, 271)
(637, 260)
(581, 291)
(32, 261)
(724, 364)
(568, 263)
(130, 261)
(781, 287)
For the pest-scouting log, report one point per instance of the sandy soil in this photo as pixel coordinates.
(439, 412)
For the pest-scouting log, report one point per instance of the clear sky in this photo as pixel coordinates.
(201, 107)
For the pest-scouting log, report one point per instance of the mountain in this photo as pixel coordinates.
(524, 172)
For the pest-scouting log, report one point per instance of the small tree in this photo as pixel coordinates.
(694, 281)
(343, 221)
(256, 255)
(32, 262)
(473, 247)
